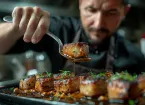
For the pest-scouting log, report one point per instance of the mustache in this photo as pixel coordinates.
(102, 30)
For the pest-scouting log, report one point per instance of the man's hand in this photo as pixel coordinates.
(32, 22)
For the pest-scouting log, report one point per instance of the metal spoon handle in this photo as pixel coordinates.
(56, 39)
(10, 19)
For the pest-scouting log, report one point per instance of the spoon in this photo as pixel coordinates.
(85, 59)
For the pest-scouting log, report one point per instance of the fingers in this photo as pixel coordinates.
(32, 25)
(41, 28)
(25, 19)
(17, 15)
(32, 22)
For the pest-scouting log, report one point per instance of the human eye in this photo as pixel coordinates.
(113, 13)
(90, 10)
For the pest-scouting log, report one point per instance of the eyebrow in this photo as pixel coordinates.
(112, 10)
(92, 7)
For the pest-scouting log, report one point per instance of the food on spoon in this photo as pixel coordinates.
(44, 83)
(76, 50)
(27, 83)
(94, 85)
(123, 86)
(67, 83)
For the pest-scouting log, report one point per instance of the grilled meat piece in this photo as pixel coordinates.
(44, 84)
(28, 83)
(141, 82)
(67, 85)
(93, 86)
(123, 89)
(76, 50)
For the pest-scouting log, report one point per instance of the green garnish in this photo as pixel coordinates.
(49, 74)
(93, 74)
(124, 75)
(12, 89)
(65, 73)
(134, 76)
(131, 102)
(42, 75)
(102, 74)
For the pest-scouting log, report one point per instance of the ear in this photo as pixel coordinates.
(127, 9)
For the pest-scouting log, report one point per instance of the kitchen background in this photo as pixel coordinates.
(16, 66)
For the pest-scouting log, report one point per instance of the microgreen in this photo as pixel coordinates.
(124, 75)
(131, 102)
(42, 75)
(93, 75)
(65, 73)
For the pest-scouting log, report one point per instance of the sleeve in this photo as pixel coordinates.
(63, 27)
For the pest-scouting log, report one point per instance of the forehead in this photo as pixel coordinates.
(102, 3)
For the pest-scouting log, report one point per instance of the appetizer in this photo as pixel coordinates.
(44, 83)
(123, 86)
(27, 83)
(94, 85)
(67, 85)
(141, 82)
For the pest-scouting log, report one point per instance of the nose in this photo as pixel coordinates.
(99, 20)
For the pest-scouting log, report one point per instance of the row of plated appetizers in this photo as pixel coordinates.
(113, 85)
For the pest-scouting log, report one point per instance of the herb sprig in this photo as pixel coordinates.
(48, 74)
(102, 74)
(132, 102)
(124, 75)
(94, 75)
(65, 73)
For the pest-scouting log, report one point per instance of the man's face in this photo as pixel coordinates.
(100, 18)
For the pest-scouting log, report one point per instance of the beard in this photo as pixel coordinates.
(97, 36)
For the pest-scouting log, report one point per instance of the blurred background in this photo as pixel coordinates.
(132, 28)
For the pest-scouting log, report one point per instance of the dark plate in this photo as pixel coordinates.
(7, 96)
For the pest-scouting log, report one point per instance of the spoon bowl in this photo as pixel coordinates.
(83, 59)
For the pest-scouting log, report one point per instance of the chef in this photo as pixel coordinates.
(97, 25)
